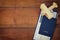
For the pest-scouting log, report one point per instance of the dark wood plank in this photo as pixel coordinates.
(24, 3)
(34, 3)
(26, 17)
(27, 3)
(23, 34)
(16, 34)
(7, 3)
(6, 17)
(56, 35)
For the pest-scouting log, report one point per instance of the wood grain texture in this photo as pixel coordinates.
(18, 19)
(23, 3)
(23, 34)
(16, 34)
(7, 3)
(6, 17)
(24, 17)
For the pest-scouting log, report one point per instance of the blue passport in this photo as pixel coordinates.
(47, 26)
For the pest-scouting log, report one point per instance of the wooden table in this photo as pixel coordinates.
(18, 19)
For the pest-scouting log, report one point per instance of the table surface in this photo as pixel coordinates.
(18, 19)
